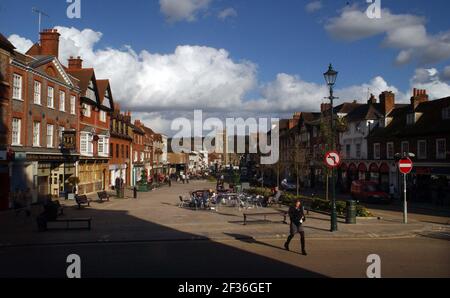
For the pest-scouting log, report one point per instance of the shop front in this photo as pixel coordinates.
(362, 171)
(431, 184)
(117, 171)
(93, 175)
(43, 174)
(137, 173)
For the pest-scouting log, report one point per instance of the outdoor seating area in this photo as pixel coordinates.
(210, 200)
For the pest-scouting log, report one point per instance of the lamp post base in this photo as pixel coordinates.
(334, 227)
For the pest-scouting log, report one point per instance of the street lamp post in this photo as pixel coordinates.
(330, 78)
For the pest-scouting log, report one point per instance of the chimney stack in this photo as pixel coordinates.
(419, 96)
(372, 99)
(75, 63)
(387, 101)
(49, 40)
(325, 107)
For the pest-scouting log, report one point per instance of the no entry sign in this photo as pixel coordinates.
(405, 165)
(332, 159)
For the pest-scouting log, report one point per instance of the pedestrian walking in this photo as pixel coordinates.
(297, 217)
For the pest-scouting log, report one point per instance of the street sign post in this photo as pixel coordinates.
(332, 159)
(405, 166)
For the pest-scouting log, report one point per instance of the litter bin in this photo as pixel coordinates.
(351, 212)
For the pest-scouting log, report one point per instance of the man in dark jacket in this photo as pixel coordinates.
(297, 216)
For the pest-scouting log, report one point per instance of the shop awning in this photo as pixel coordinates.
(384, 168)
(362, 167)
(373, 168)
(352, 168)
(444, 171)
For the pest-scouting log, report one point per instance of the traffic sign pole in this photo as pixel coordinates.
(405, 166)
(405, 203)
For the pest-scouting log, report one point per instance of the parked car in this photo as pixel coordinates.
(368, 191)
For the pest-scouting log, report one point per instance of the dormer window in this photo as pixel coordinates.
(410, 119)
(446, 113)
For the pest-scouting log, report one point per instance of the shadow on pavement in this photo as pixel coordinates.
(251, 240)
(123, 245)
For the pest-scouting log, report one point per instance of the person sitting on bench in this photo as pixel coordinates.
(50, 213)
(276, 198)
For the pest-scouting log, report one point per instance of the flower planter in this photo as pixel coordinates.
(142, 187)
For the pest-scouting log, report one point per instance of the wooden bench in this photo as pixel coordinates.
(103, 195)
(82, 200)
(265, 214)
(68, 221)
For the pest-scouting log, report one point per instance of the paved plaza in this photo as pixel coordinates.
(157, 238)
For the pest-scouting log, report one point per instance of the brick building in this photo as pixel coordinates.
(422, 128)
(7, 51)
(41, 102)
(138, 152)
(120, 148)
(94, 137)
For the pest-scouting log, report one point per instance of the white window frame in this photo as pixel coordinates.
(442, 155)
(388, 153)
(135, 159)
(421, 155)
(446, 113)
(16, 130)
(87, 110)
(17, 86)
(37, 97)
(50, 97)
(104, 142)
(61, 130)
(358, 153)
(102, 116)
(402, 146)
(36, 134)
(73, 103)
(86, 137)
(50, 135)
(377, 151)
(62, 101)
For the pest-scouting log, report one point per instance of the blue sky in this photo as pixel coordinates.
(276, 36)
(279, 36)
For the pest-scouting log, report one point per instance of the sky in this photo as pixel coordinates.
(244, 58)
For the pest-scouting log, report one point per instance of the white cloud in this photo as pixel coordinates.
(182, 10)
(290, 93)
(191, 76)
(445, 76)
(430, 80)
(227, 13)
(160, 87)
(405, 32)
(314, 6)
(22, 44)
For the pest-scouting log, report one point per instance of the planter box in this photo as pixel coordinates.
(142, 187)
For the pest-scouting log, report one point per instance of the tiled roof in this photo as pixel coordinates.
(102, 86)
(84, 75)
(430, 122)
(6, 44)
